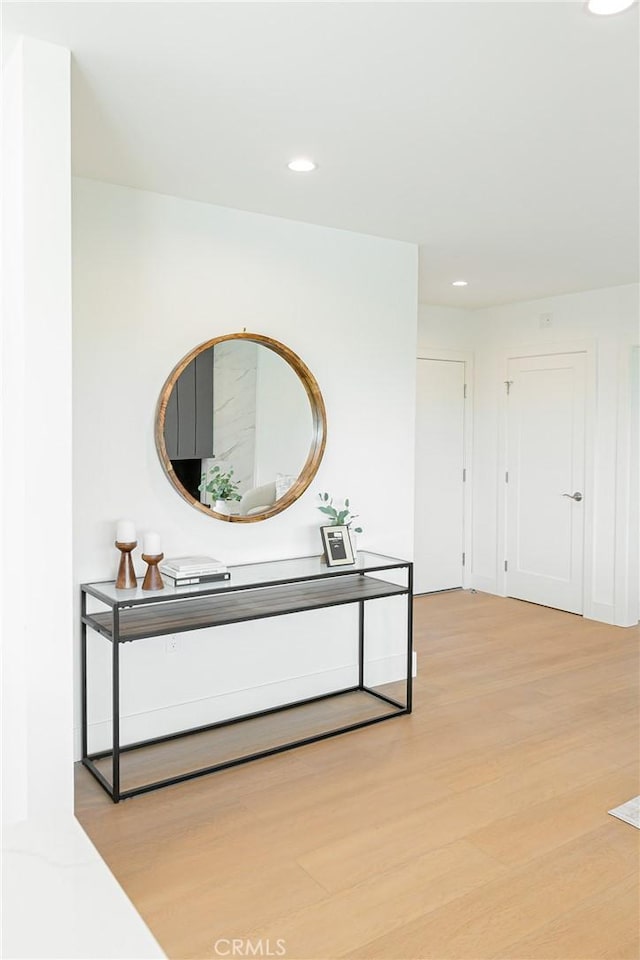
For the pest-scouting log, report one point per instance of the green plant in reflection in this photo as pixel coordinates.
(219, 484)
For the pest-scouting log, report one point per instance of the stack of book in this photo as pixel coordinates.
(183, 571)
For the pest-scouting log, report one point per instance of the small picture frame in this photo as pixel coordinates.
(337, 546)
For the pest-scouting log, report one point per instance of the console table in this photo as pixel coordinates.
(255, 591)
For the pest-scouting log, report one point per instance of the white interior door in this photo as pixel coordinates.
(545, 480)
(439, 535)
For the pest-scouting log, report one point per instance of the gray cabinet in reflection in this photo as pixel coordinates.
(189, 419)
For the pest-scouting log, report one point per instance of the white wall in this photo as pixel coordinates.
(56, 890)
(153, 277)
(605, 324)
(36, 600)
(14, 692)
(445, 329)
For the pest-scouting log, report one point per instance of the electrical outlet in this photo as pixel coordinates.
(546, 320)
(172, 644)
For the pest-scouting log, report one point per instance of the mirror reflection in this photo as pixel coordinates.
(238, 428)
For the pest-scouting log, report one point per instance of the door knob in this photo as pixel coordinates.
(577, 496)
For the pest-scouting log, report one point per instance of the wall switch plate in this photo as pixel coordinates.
(172, 644)
(545, 319)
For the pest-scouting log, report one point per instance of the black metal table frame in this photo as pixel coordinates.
(113, 788)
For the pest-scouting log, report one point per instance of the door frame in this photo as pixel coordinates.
(587, 347)
(465, 357)
(627, 548)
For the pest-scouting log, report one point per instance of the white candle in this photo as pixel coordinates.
(126, 531)
(152, 545)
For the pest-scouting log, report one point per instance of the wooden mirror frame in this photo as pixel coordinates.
(318, 416)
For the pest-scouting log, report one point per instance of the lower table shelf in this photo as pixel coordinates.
(152, 764)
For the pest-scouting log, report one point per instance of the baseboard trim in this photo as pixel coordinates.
(602, 612)
(484, 585)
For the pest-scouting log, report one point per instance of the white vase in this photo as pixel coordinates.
(223, 507)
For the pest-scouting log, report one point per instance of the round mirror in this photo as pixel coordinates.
(241, 427)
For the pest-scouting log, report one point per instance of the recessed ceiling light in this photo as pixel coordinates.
(606, 7)
(460, 283)
(301, 165)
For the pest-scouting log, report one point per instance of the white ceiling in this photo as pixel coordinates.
(501, 137)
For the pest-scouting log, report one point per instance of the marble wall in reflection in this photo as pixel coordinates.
(234, 408)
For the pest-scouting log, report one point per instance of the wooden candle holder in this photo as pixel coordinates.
(126, 575)
(152, 578)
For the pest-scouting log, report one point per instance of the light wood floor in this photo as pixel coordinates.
(476, 828)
